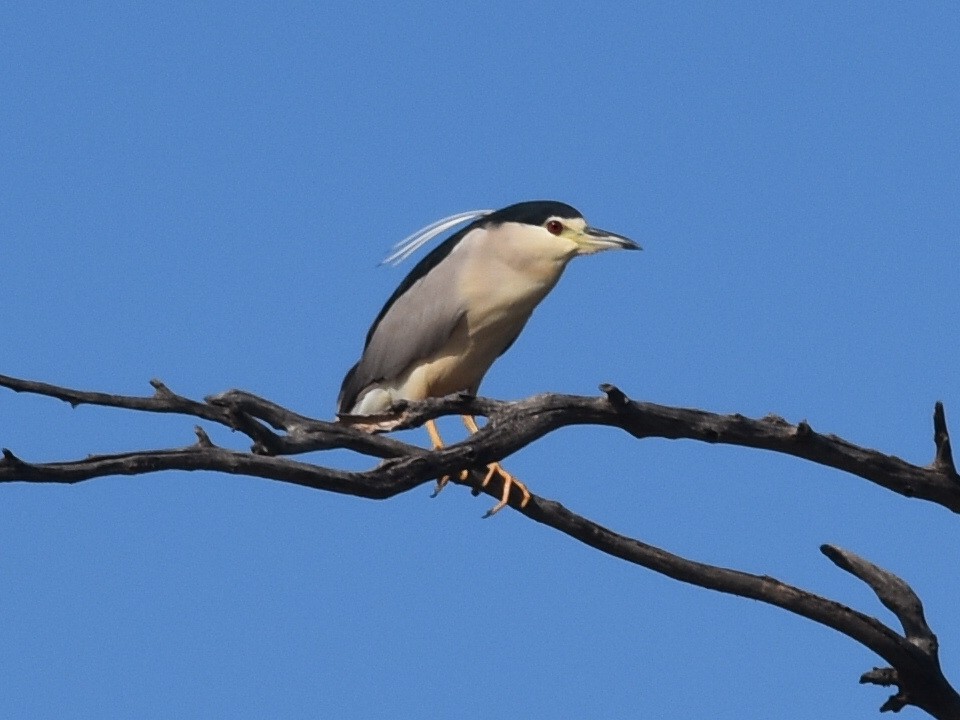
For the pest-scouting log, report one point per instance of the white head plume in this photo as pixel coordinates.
(410, 244)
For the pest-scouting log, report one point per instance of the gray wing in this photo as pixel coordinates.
(414, 324)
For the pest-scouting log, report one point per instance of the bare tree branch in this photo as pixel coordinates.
(513, 425)
(944, 456)
(921, 682)
(277, 432)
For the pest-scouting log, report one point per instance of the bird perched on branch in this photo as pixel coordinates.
(461, 307)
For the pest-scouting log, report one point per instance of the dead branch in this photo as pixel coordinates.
(277, 432)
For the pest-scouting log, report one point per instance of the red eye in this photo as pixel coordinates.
(554, 227)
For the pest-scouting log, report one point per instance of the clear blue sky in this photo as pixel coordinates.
(201, 193)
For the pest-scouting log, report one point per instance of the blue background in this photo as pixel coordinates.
(201, 193)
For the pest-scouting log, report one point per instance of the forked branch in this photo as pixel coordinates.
(277, 433)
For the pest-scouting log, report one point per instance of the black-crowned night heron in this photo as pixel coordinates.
(461, 307)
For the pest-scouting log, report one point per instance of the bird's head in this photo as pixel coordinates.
(559, 224)
(546, 226)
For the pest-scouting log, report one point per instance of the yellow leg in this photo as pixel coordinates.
(492, 469)
(437, 443)
(470, 422)
(435, 438)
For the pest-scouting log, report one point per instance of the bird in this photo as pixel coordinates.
(461, 307)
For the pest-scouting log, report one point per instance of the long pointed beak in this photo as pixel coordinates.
(594, 240)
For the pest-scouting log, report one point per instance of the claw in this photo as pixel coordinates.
(441, 484)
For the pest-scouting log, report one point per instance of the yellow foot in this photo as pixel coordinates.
(508, 482)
